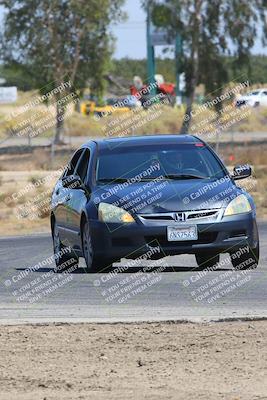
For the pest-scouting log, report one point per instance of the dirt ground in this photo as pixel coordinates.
(134, 361)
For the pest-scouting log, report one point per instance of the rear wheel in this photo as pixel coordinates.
(209, 261)
(93, 263)
(64, 256)
(245, 257)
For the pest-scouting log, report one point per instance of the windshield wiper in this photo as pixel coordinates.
(116, 180)
(149, 179)
(167, 176)
(184, 176)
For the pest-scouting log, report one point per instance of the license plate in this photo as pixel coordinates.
(181, 233)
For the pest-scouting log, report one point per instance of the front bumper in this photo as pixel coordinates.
(115, 241)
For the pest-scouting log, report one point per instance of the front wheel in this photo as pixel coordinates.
(93, 263)
(245, 257)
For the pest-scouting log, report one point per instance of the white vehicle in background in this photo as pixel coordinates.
(255, 98)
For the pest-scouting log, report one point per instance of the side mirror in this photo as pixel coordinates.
(72, 182)
(241, 172)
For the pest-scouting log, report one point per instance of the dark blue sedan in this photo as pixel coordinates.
(152, 196)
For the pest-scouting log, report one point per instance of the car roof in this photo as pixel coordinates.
(129, 141)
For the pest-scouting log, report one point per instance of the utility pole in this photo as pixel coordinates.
(178, 53)
(150, 50)
(156, 37)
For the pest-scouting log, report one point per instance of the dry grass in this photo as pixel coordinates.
(25, 208)
(165, 120)
(41, 159)
(81, 125)
(251, 155)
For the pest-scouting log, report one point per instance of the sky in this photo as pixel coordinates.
(131, 35)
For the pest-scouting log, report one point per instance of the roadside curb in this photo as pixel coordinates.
(92, 321)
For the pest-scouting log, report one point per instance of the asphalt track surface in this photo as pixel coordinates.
(178, 292)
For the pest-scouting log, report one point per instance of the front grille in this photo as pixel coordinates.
(158, 217)
(198, 216)
(202, 214)
(241, 103)
(161, 240)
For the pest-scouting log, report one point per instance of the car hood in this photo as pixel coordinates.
(168, 196)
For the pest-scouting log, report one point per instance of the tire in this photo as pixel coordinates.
(65, 258)
(209, 261)
(93, 264)
(247, 260)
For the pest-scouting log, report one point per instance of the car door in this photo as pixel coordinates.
(61, 198)
(78, 200)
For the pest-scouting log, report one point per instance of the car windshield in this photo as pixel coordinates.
(254, 93)
(173, 162)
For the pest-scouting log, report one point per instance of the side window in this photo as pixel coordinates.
(264, 93)
(73, 163)
(82, 166)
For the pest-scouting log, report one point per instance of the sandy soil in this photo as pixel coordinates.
(134, 361)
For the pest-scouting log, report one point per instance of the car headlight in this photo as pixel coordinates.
(109, 213)
(238, 206)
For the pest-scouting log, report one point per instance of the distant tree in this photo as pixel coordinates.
(221, 68)
(59, 39)
(127, 68)
(209, 29)
(17, 75)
